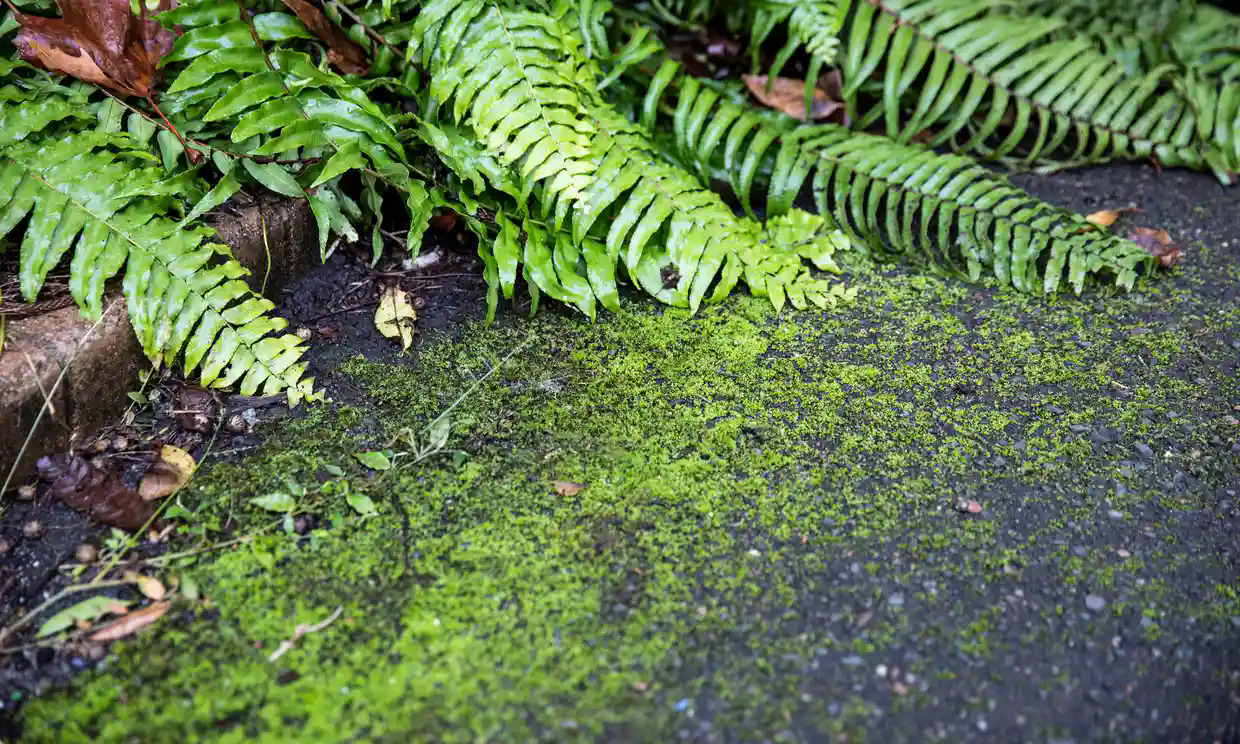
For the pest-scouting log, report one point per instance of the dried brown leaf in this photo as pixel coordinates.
(197, 408)
(1157, 243)
(99, 41)
(788, 95)
(130, 623)
(170, 471)
(348, 57)
(568, 488)
(100, 493)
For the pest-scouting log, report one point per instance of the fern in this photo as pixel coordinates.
(96, 191)
(279, 104)
(520, 81)
(960, 215)
(1010, 84)
(580, 168)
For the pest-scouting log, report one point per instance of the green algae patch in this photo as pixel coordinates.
(768, 529)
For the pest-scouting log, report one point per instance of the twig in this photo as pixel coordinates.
(160, 560)
(302, 630)
(21, 623)
(341, 311)
(369, 31)
(470, 389)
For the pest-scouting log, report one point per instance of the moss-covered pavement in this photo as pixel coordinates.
(773, 541)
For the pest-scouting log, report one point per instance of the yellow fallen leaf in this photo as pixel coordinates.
(395, 316)
(151, 587)
(1107, 217)
(169, 472)
(131, 623)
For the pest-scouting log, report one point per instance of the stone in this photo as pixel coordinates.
(276, 239)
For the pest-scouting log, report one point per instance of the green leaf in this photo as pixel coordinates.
(379, 460)
(280, 27)
(277, 501)
(87, 609)
(273, 176)
(439, 431)
(348, 157)
(361, 503)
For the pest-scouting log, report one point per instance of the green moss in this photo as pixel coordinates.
(737, 465)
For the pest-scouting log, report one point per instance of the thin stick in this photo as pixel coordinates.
(369, 31)
(471, 388)
(6, 632)
(302, 630)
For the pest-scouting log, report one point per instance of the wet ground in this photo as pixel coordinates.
(947, 513)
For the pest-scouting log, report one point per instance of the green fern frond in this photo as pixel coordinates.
(1209, 44)
(813, 26)
(1013, 84)
(960, 215)
(522, 85)
(278, 104)
(92, 192)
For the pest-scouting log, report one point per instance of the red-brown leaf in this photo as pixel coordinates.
(788, 95)
(1157, 243)
(131, 622)
(100, 493)
(348, 57)
(99, 41)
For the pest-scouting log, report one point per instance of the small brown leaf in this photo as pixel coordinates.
(169, 472)
(788, 95)
(101, 493)
(197, 408)
(568, 488)
(1157, 243)
(348, 57)
(130, 623)
(151, 587)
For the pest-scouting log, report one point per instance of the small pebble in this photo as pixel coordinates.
(880, 670)
(86, 553)
(1113, 514)
(33, 529)
(896, 600)
(25, 493)
(4, 546)
(96, 652)
(1094, 602)
(852, 660)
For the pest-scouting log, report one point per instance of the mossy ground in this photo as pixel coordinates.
(767, 546)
